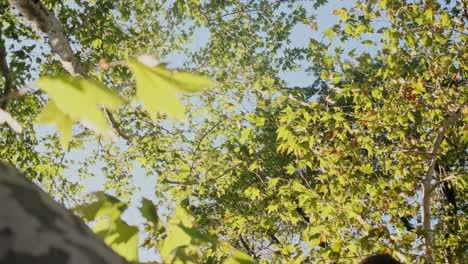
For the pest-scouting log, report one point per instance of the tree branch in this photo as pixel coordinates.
(7, 75)
(247, 248)
(36, 229)
(464, 8)
(427, 186)
(446, 179)
(179, 182)
(116, 126)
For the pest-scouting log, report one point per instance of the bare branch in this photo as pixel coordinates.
(116, 126)
(464, 8)
(179, 182)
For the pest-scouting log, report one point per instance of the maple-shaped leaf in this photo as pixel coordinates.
(176, 236)
(107, 212)
(78, 99)
(157, 87)
(51, 114)
(120, 236)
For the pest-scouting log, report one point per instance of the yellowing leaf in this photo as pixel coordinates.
(341, 12)
(313, 26)
(51, 114)
(78, 99)
(157, 87)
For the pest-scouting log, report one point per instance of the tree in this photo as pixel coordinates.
(368, 158)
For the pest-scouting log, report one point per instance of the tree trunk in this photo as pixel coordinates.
(36, 229)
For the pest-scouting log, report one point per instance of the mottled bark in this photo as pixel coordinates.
(36, 229)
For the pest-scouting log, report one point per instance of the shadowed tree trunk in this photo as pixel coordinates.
(36, 229)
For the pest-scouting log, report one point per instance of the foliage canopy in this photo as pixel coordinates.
(368, 158)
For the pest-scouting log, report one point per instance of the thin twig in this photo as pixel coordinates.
(117, 128)
(447, 179)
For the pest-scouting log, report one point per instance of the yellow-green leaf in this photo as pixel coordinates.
(79, 99)
(239, 257)
(157, 87)
(120, 236)
(176, 236)
(341, 12)
(329, 33)
(51, 114)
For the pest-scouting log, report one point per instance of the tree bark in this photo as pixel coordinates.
(36, 229)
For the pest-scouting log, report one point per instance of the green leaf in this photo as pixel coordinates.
(366, 168)
(120, 236)
(329, 33)
(157, 87)
(148, 211)
(78, 99)
(105, 205)
(245, 134)
(176, 236)
(239, 257)
(197, 235)
(51, 114)
(445, 18)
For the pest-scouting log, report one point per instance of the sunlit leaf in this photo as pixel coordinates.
(78, 99)
(176, 236)
(120, 236)
(51, 114)
(157, 87)
(239, 257)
